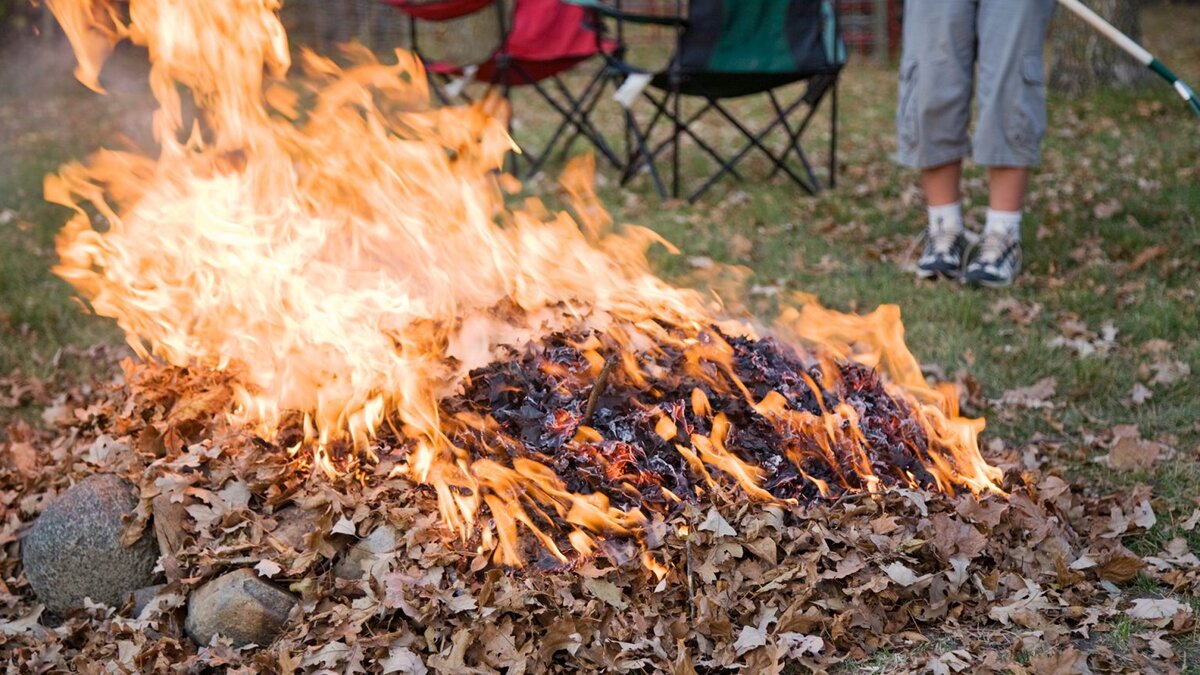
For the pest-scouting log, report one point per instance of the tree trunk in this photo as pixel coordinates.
(1082, 59)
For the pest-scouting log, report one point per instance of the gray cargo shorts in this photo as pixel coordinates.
(951, 46)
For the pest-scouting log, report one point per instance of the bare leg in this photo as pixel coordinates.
(941, 183)
(1006, 185)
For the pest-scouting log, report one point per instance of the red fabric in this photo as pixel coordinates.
(438, 10)
(548, 30)
(547, 37)
(522, 71)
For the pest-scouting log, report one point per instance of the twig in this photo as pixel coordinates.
(597, 391)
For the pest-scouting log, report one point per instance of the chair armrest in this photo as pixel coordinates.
(605, 9)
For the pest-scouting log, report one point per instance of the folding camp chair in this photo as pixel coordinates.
(534, 44)
(726, 49)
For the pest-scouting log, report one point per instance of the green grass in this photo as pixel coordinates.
(848, 246)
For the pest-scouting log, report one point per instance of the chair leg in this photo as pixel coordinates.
(687, 129)
(755, 141)
(793, 137)
(571, 117)
(585, 104)
(642, 151)
(678, 127)
(833, 133)
(796, 135)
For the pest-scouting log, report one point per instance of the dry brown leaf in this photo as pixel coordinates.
(1150, 609)
(1129, 451)
(606, 591)
(1119, 566)
(1034, 396)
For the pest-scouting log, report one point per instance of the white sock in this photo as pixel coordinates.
(946, 216)
(1003, 222)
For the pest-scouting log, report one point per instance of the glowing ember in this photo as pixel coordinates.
(344, 250)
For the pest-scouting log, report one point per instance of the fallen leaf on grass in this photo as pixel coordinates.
(951, 662)
(1192, 521)
(1120, 566)
(1151, 609)
(1034, 396)
(1069, 661)
(1129, 451)
(1027, 602)
(1169, 371)
(1075, 334)
(1146, 255)
(1140, 394)
(1106, 209)
(1143, 515)
(1014, 310)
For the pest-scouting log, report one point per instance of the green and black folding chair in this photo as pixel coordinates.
(726, 49)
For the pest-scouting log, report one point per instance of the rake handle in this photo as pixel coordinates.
(1138, 52)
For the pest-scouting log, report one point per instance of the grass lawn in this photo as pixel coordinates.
(1103, 318)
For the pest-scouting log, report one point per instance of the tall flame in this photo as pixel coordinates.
(345, 249)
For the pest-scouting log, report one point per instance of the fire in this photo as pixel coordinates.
(346, 250)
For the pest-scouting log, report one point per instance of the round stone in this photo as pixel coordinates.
(73, 551)
(238, 605)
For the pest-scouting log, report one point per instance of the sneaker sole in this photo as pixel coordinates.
(988, 283)
(935, 274)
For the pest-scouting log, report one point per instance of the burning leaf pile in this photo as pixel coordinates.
(1023, 583)
(647, 437)
(371, 393)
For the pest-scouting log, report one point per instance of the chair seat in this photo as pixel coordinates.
(725, 85)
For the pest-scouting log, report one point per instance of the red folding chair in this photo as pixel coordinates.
(537, 43)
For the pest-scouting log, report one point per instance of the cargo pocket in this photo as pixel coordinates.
(906, 114)
(1030, 118)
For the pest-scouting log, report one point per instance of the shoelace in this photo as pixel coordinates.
(942, 238)
(993, 247)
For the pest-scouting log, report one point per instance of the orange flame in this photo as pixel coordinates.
(345, 249)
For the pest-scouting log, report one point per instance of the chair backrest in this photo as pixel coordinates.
(760, 37)
(549, 30)
(457, 32)
(438, 10)
(475, 32)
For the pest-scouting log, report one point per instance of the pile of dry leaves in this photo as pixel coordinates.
(1024, 584)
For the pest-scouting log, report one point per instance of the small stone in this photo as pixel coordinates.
(294, 525)
(240, 606)
(74, 549)
(143, 596)
(365, 552)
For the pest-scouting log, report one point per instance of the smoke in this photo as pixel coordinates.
(37, 82)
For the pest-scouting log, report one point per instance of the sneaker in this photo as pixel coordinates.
(943, 254)
(998, 260)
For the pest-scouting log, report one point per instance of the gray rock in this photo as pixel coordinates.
(74, 549)
(366, 552)
(294, 525)
(143, 596)
(238, 605)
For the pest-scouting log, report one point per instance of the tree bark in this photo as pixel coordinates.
(1082, 59)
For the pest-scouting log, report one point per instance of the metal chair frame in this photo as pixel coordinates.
(642, 153)
(574, 109)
